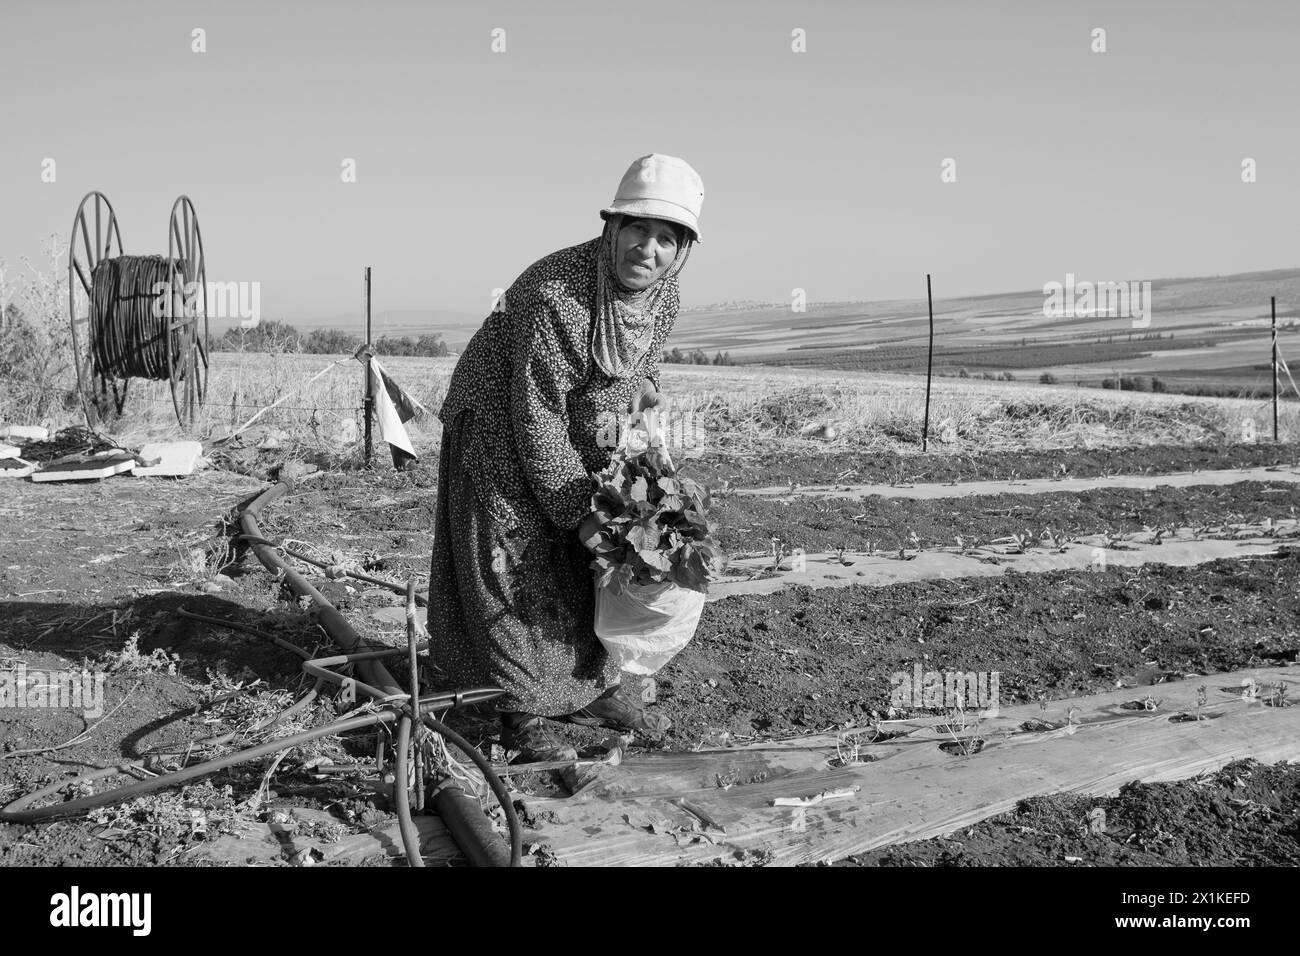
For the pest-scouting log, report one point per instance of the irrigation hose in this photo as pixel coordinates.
(326, 615)
(498, 790)
(247, 629)
(401, 794)
(16, 811)
(332, 569)
(375, 675)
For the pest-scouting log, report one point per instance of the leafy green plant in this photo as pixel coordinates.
(649, 525)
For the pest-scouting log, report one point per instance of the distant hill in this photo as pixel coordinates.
(760, 332)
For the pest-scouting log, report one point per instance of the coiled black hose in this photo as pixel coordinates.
(129, 319)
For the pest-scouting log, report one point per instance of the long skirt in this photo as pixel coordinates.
(509, 608)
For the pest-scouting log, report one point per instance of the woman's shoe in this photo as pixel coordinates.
(620, 708)
(533, 739)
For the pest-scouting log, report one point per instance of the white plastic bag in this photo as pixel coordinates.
(645, 625)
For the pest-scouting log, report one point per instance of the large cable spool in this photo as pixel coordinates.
(137, 316)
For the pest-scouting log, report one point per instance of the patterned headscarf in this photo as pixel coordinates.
(623, 325)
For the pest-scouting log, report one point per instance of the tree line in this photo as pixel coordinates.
(696, 357)
(273, 336)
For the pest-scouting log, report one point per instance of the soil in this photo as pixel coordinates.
(1246, 814)
(804, 660)
(86, 568)
(747, 523)
(822, 465)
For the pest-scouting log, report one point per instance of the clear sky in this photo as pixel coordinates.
(821, 168)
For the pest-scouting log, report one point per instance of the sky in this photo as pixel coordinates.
(822, 169)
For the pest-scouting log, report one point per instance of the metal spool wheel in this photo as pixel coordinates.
(186, 311)
(86, 249)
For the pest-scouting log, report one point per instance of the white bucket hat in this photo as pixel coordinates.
(660, 187)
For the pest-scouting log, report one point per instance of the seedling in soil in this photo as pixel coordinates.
(777, 550)
(848, 749)
(1146, 703)
(1201, 699)
(957, 728)
(899, 478)
(1022, 542)
(1070, 725)
(1278, 698)
(1056, 539)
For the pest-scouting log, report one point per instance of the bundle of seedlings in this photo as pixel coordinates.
(654, 547)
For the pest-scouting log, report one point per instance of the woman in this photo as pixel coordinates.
(573, 345)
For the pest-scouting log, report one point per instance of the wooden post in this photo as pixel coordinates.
(369, 404)
(1272, 300)
(929, 366)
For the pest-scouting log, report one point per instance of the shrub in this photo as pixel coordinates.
(331, 342)
(266, 336)
(36, 353)
(1047, 378)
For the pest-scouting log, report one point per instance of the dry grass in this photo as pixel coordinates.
(746, 410)
(740, 410)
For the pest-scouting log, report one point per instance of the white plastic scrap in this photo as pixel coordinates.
(816, 799)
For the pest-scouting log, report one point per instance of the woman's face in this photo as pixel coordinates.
(644, 251)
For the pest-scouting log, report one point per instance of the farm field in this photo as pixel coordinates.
(1210, 331)
(121, 558)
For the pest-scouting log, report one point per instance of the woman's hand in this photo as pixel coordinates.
(647, 397)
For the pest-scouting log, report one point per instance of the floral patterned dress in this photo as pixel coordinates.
(528, 417)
